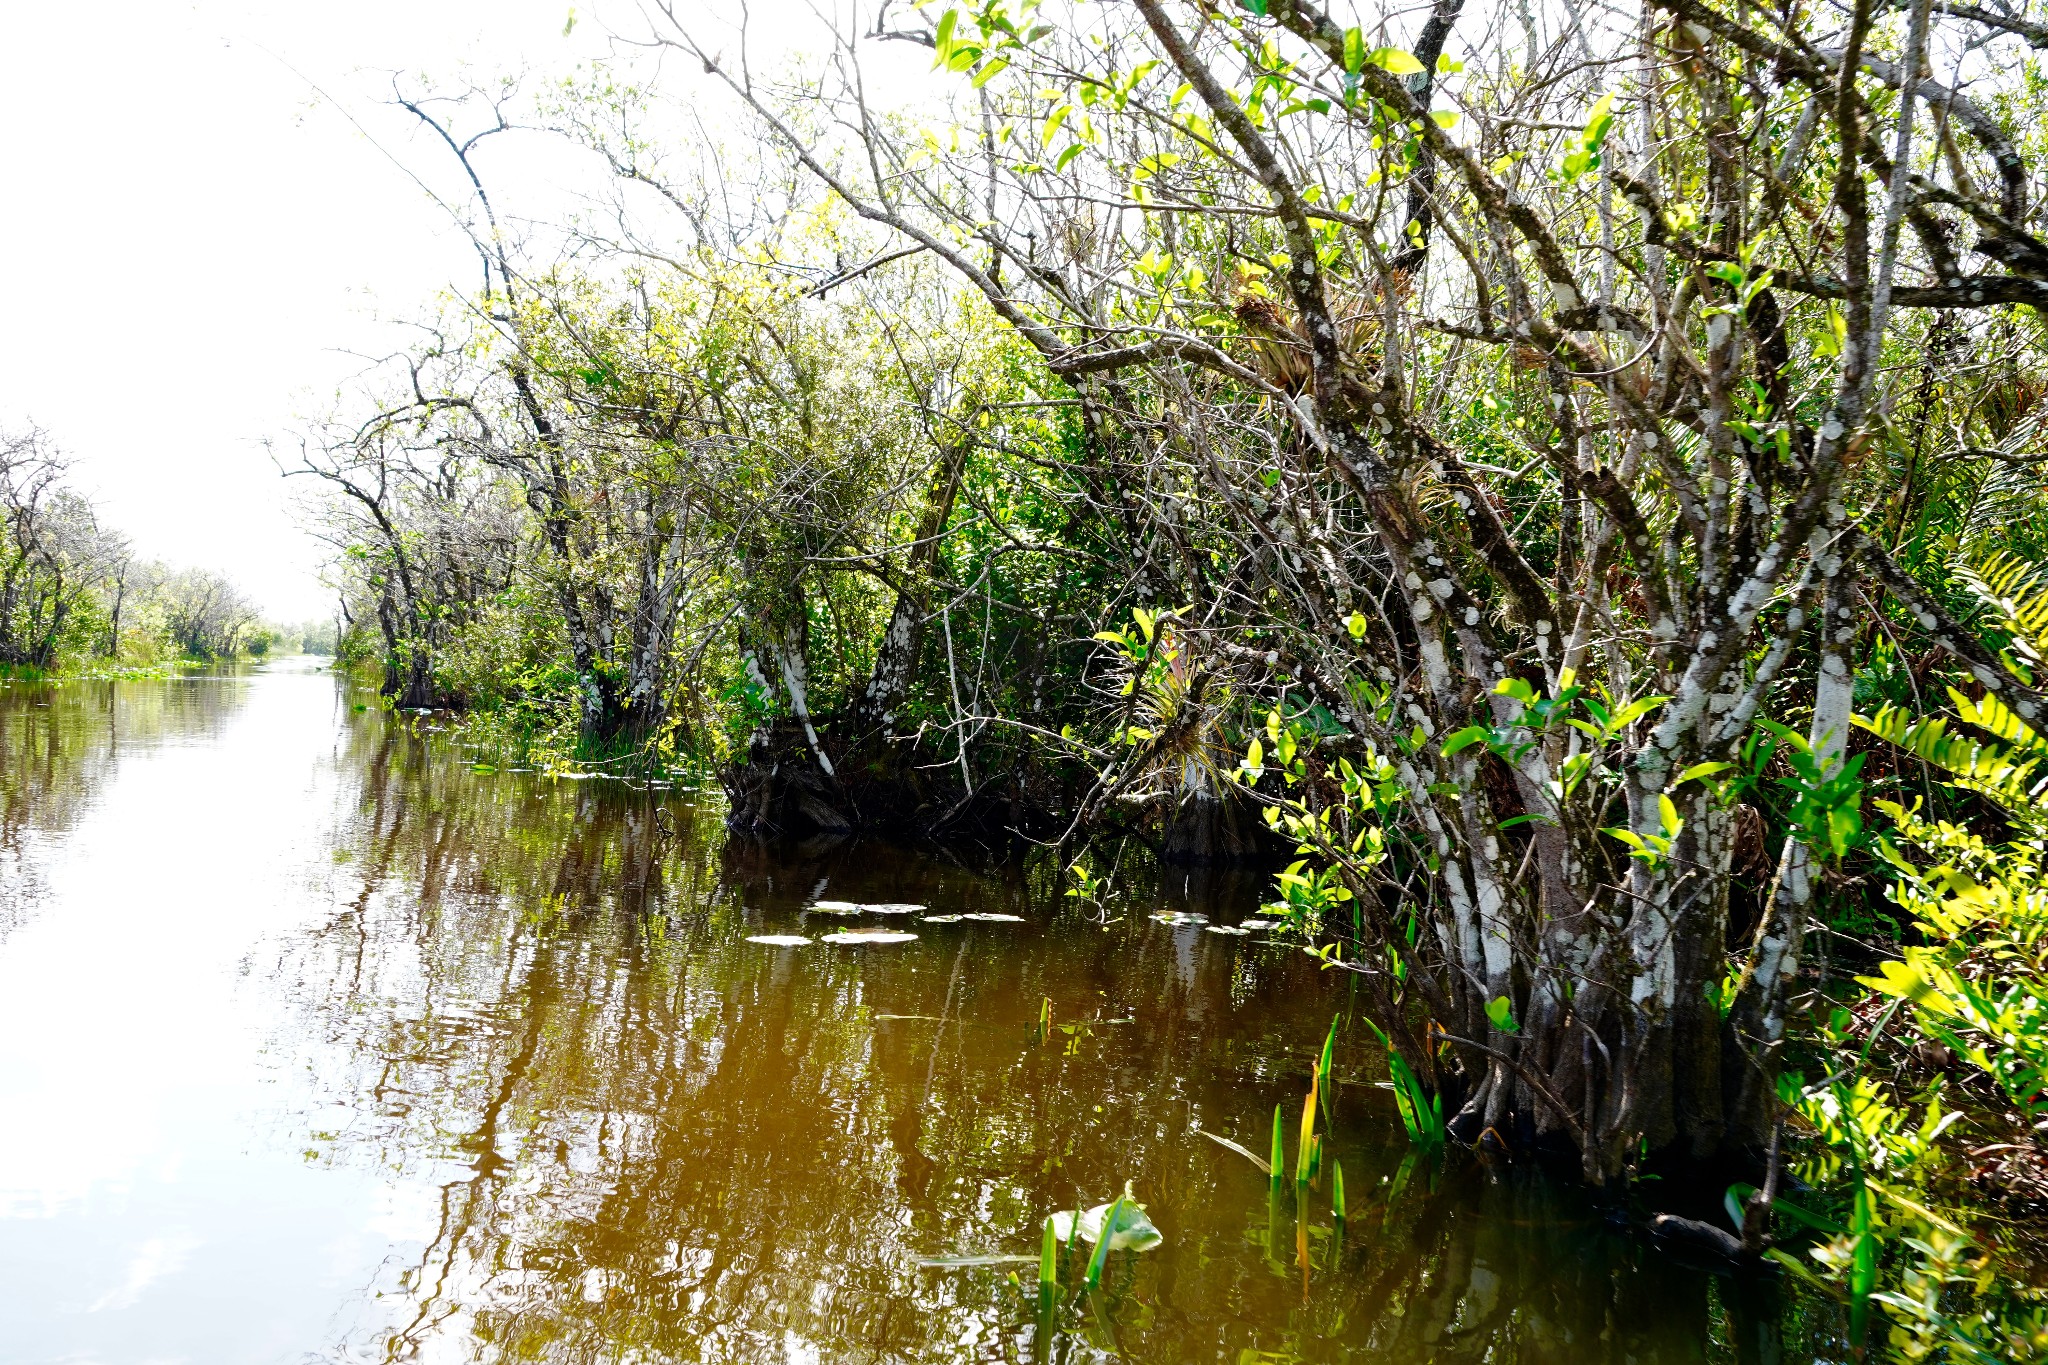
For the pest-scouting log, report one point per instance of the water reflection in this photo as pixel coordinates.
(518, 1089)
(59, 745)
(653, 1139)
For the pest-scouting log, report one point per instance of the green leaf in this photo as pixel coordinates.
(1862, 1261)
(1667, 814)
(1500, 1012)
(1354, 50)
(1587, 156)
(1910, 981)
(1052, 124)
(1463, 739)
(1635, 710)
(1395, 60)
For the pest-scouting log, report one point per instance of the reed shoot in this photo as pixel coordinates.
(1048, 1267)
(1102, 1240)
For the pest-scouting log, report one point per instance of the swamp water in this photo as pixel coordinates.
(317, 1044)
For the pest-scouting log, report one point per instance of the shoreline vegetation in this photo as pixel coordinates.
(1568, 486)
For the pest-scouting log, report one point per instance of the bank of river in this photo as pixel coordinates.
(318, 1044)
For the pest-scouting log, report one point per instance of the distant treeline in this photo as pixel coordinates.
(72, 591)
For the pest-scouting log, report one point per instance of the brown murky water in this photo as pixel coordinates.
(318, 1045)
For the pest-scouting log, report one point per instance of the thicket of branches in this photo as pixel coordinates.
(1505, 446)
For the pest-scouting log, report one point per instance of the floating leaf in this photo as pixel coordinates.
(858, 936)
(991, 917)
(1133, 1231)
(942, 919)
(780, 940)
(1237, 930)
(1180, 917)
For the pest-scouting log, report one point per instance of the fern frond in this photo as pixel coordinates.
(1995, 717)
(2017, 593)
(1996, 770)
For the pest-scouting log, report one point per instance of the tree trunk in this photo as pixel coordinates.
(896, 658)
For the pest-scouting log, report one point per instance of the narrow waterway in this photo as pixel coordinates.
(317, 1043)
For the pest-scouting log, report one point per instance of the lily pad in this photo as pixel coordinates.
(943, 919)
(1133, 1231)
(1177, 918)
(780, 940)
(859, 936)
(1256, 923)
(1236, 929)
(865, 907)
(992, 918)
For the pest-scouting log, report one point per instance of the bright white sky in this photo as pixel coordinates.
(195, 238)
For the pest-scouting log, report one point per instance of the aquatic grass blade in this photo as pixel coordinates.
(1301, 1257)
(1337, 1189)
(1279, 1162)
(1048, 1291)
(1422, 1113)
(1306, 1151)
(1739, 1195)
(1048, 1268)
(1326, 1066)
(1100, 1255)
(1395, 1187)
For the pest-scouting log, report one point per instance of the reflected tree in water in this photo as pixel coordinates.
(650, 1139)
